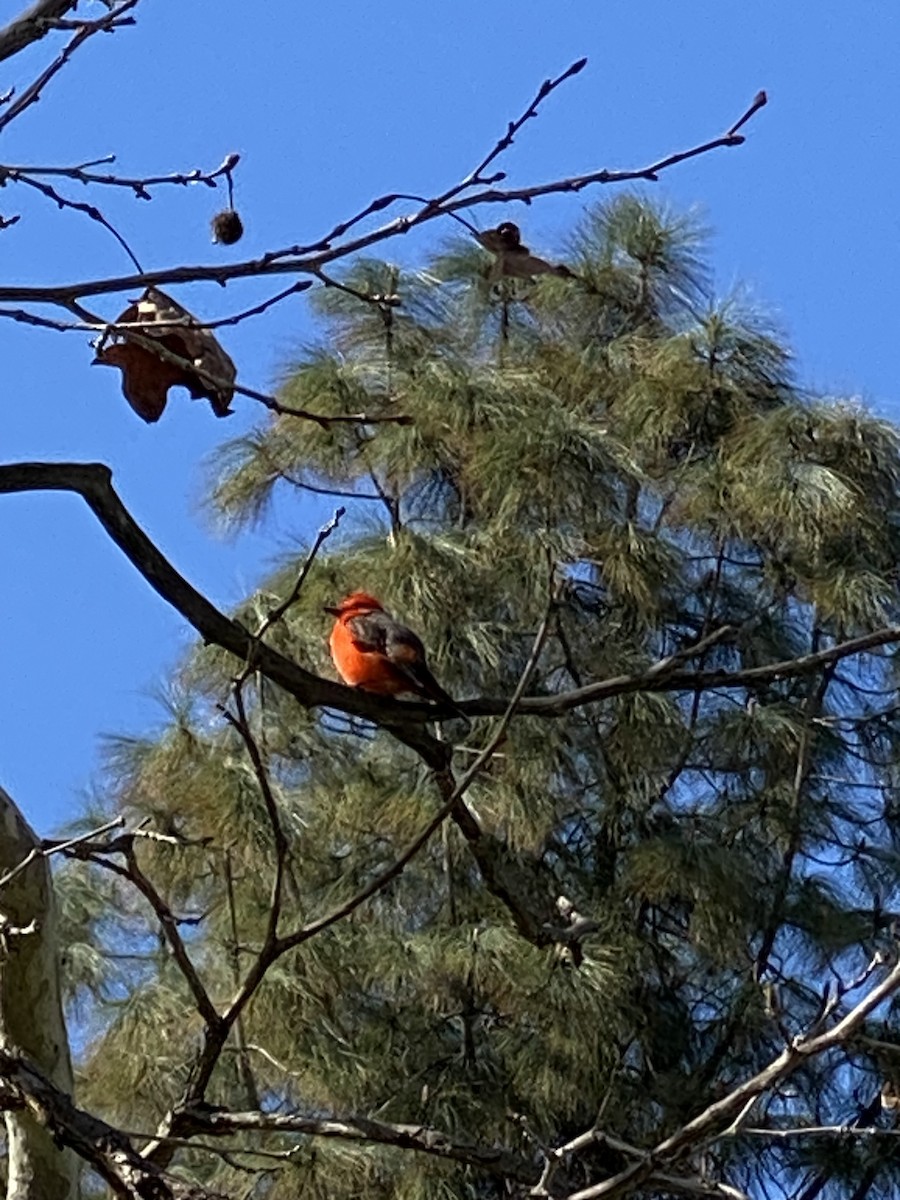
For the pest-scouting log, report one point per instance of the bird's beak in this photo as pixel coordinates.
(335, 612)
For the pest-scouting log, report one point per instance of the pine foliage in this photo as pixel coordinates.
(735, 848)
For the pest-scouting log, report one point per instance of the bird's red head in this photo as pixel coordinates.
(356, 602)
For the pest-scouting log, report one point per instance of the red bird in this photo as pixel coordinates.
(374, 652)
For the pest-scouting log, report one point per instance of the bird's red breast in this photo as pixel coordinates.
(373, 651)
(368, 669)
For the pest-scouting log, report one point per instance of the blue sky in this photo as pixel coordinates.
(330, 105)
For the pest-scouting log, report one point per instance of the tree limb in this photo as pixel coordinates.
(93, 482)
(664, 676)
(32, 25)
(105, 1148)
(713, 1122)
(310, 259)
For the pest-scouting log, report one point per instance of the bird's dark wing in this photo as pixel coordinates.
(379, 633)
(368, 632)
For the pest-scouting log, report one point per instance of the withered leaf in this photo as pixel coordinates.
(512, 258)
(147, 376)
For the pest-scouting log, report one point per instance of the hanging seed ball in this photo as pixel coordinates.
(227, 227)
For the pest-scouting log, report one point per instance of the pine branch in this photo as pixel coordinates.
(716, 1121)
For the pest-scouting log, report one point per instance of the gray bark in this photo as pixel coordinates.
(30, 26)
(31, 1014)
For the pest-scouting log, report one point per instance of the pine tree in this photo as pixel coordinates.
(632, 462)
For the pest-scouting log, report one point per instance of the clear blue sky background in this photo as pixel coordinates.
(330, 105)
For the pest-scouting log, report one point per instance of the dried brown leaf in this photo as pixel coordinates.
(205, 370)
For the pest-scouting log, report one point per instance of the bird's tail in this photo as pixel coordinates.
(429, 688)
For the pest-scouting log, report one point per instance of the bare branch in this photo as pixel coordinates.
(105, 1148)
(275, 614)
(476, 177)
(32, 25)
(826, 1131)
(93, 482)
(493, 1160)
(80, 173)
(168, 923)
(90, 210)
(242, 725)
(311, 259)
(712, 1123)
(53, 847)
(662, 677)
(41, 21)
(270, 402)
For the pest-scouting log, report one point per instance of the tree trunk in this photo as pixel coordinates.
(31, 1015)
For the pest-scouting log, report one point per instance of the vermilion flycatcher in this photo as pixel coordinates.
(373, 651)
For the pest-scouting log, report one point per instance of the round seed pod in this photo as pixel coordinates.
(227, 227)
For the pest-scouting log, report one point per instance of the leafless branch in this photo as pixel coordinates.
(241, 723)
(107, 327)
(275, 614)
(39, 23)
(93, 482)
(31, 26)
(53, 847)
(32, 177)
(272, 403)
(714, 1121)
(102, 1146)
(493, 1160)
(168, 923)
(477, 176)
(90, 210)
(80, 173)
(313, 258)
(384, 303)
(133, 331)
(662, 677)
(826, 1131)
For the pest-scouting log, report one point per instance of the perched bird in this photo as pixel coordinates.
(374, 652)
(512, 258)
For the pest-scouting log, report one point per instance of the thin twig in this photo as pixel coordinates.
(169, 925)
(275, 614)
(711, 1124)
(242, 725)
(85, 30)
(47, 848)
(90, 210)
(477, 176)
(831, 1131)
(313, 258)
